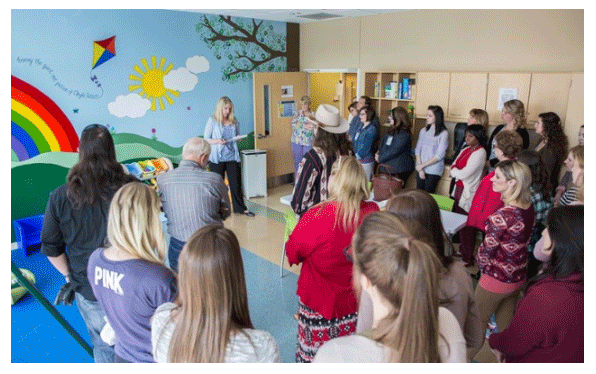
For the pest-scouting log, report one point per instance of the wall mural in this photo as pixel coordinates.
(37, 125)
(152, 84)
(247, 46)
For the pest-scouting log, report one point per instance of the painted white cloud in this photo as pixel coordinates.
(197, 64)
(180, 80)
(131, 105)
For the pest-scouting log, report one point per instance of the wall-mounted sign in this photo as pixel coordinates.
(506, 94)
(287, 91)
(286, 108)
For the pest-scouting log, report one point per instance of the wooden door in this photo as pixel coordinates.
(466, 91)
(432, 88)
(273, 95)
(497, 81)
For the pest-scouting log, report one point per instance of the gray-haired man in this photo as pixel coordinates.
(192, 197)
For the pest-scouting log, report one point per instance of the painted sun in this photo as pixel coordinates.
(151, 84)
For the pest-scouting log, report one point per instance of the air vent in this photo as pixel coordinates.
(319, 16)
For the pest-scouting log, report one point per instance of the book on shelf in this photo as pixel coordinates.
(393, 89)
(399, 90)
(405, 84)
(377, 89)
(388, 91)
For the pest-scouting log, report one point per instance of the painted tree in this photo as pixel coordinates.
(247, 45)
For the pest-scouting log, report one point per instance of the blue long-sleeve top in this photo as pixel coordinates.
(364, 142)
(214, 130)
(396, 150)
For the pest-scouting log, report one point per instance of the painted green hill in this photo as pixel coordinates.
(158, 146)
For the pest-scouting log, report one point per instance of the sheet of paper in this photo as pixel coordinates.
(506, 94)
(238, 137)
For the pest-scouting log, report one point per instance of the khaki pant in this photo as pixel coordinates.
(501, 304)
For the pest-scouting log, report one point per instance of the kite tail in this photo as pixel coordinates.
(95, 80)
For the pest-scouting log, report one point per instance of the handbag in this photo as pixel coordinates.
(385, 185)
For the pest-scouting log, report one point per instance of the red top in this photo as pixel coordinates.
(325, 281)
(503, 253)
(485, 202)
(548, 325)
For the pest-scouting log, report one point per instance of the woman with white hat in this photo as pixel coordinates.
(313, 172)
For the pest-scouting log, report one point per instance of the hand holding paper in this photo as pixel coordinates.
(236, 138)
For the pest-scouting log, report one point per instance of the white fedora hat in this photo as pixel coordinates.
(329, 117)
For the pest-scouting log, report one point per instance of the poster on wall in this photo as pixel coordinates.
(287, 91)
(506, 94)
(286, 108)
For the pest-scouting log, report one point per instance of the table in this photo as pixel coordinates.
(452, 222)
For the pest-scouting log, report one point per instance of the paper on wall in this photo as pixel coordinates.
(506, 94)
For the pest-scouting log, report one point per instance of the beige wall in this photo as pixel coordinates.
(448, 40)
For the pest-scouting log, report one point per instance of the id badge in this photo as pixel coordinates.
(389, 140)
(356, 136)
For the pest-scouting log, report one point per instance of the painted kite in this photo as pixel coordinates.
(103, 50)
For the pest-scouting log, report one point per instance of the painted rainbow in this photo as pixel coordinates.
(38, 125)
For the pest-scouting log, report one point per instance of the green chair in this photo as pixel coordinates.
(291, 221)
(444, 202)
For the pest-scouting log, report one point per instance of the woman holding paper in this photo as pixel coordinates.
(221, 132)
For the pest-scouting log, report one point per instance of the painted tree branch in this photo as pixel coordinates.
(247, 38)
(256, 40)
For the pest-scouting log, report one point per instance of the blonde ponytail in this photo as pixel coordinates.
(405, 271)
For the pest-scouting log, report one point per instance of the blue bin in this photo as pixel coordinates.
(28, 233)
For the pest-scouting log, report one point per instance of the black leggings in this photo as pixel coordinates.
(232, 168)
(429, 184)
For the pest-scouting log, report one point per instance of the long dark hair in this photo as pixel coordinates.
(565, 225)
(439, 119)
(419, 205)
(97, 175)
(556, 140)
(332, 143)
(540, 177)
(479, 132)
(401, 121)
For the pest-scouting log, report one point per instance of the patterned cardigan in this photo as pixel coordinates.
(503, 254)
(311, 181)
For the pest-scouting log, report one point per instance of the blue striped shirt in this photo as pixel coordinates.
(192, 197)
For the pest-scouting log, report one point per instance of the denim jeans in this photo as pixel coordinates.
(174, 252)
(93, 317)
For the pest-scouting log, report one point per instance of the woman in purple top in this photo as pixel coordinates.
(128, 277)
(430, 150)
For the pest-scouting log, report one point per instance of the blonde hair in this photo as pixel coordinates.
(521, 173)
(305, 100)
(212, 302)
(405, 271)
(517, 110)
(480, 116)
(349, 189)
(134, 225)
(219, 107)
(578, 155)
